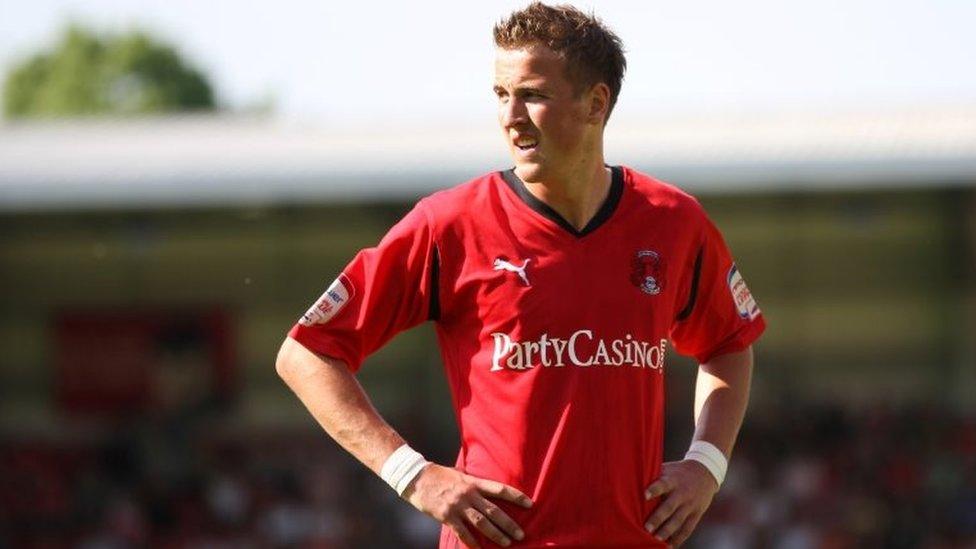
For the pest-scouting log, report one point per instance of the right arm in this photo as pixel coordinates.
(337, 402)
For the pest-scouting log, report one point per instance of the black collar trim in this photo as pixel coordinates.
(602, 215)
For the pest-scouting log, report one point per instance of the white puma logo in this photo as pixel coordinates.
(502, 265)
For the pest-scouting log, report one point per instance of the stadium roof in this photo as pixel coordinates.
(235, 160)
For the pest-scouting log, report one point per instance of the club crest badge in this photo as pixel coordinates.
(647, 272)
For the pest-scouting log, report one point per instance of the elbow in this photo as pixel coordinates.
(284, 363)
(295, 362)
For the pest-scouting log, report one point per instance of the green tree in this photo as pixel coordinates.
(115, 74)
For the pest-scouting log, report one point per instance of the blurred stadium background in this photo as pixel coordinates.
(153, 257)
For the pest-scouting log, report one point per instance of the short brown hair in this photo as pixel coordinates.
(593, 53)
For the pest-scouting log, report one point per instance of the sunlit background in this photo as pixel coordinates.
(180, 180)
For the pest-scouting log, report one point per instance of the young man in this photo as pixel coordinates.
(555, 287)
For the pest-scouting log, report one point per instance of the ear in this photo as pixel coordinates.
(598, 102)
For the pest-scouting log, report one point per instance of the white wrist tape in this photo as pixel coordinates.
(403, 465)
(711, 457)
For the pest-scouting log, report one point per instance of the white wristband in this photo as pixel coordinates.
(711, 457)
(403, 465)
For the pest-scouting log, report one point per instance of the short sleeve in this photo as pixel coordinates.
(720, 314)
(381, 292)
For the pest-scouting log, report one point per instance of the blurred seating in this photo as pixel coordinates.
(801, 477)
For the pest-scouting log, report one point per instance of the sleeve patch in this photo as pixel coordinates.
(332, 301)
(744, 302)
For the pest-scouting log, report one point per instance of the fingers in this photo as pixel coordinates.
(463, 533)
(663, 512)
(673, 524)
(502, 491)
(498, 517)
(685, 531)
(459, 501)
(659, 487)
(482, 523)
(488, 517)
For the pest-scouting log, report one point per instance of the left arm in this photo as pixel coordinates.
(721, 397)
(686, 487)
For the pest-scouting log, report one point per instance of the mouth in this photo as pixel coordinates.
(525, 143)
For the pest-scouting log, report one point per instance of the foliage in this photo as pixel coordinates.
(86, 74)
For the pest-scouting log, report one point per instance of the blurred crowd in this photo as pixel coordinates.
(817, 477)
(801, 477)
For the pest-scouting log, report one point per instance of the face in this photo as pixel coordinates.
(550, 129)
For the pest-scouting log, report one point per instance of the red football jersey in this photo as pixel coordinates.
(553, 339)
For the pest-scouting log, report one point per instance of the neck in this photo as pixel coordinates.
(578, 194)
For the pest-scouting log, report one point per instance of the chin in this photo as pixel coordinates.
(529, 172)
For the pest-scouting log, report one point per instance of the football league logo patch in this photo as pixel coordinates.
(647, 272)
(335, 298)
(744, 302)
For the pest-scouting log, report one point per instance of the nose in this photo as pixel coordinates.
(512, 113)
